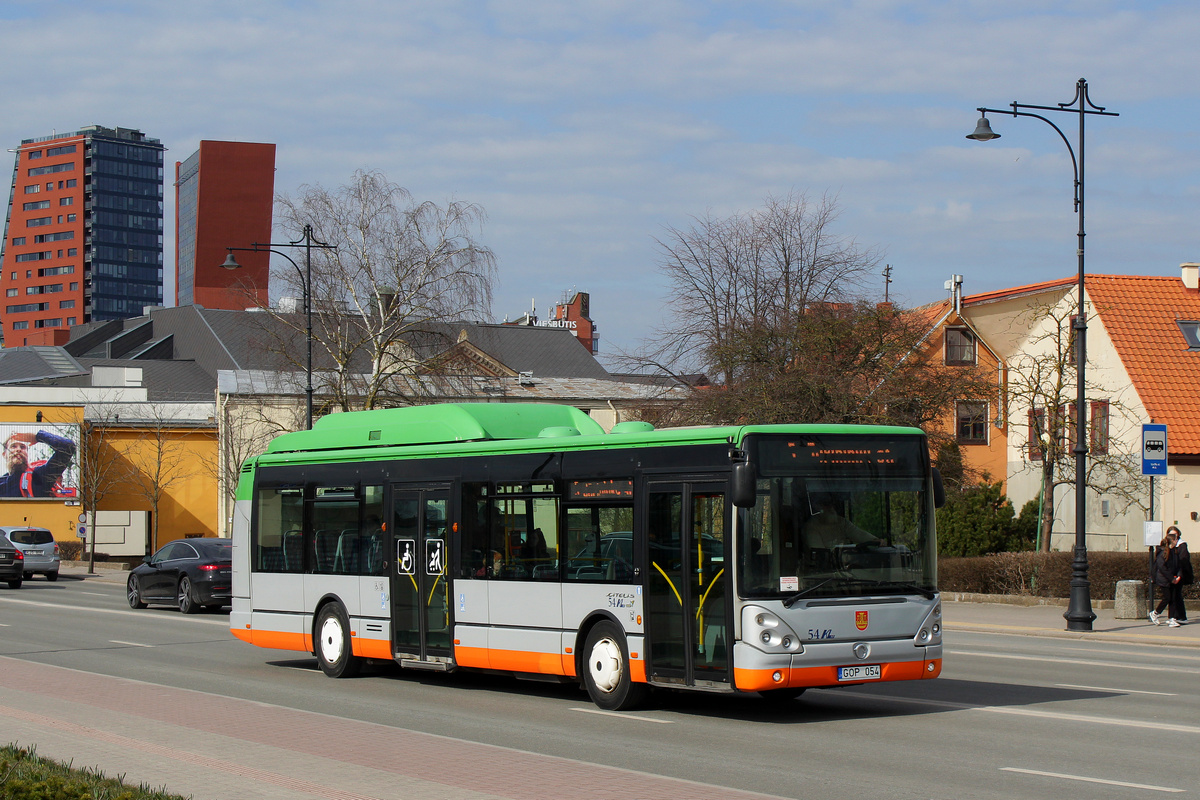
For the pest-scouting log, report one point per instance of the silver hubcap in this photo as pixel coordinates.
(332, 641)
(604, 664)
(184, 594)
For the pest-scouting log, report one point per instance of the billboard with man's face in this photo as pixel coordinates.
(39, 460)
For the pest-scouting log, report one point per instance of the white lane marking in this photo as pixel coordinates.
(1077, 661)
(1114, 691)
(143, 614)
(1029, 712)
(94, 594)
(623, 716)
(1086, 779)
(131, 644)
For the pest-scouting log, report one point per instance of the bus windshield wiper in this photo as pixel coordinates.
(791, 601)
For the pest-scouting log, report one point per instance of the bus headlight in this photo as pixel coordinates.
(771, 632)
(930, 631)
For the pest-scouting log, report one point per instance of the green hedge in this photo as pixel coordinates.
(1044, 574)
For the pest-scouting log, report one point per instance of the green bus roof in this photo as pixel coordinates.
(447, 429)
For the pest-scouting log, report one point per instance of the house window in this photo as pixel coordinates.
(1037, 427)
(972, 420)
(1099, 432)
(1191, 333)
(960, 347)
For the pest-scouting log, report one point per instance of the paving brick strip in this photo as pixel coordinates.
(217, 748)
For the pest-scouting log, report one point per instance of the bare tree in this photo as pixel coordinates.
(1043, 384)
(398, 267)
(732, 278)
(768, 304)
(101, 465)
(159, 458)
(246, 426)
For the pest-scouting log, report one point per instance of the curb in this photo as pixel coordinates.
(1057, 633)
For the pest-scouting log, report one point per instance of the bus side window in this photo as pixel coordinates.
(473, 543)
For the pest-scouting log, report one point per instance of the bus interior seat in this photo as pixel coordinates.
(346, 558)
(293, 550)
(545, 572)
(324, 549)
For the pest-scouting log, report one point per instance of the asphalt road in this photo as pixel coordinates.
(1012, 717)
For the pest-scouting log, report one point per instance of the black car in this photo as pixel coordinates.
(12, 564)
(189, 573)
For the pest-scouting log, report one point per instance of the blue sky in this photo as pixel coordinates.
(586, 129)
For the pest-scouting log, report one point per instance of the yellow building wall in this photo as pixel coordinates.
(187, 507)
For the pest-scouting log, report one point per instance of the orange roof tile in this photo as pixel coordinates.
(1017, 291)
(1140, 313)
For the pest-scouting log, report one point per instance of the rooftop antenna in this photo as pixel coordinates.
(887, 280)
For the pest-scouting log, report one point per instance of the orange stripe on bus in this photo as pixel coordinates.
(371, 648)
(282, 641)
(753, 680)
(511, 660)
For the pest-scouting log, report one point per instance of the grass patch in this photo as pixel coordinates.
(24, 775)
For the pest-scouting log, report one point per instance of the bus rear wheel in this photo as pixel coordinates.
(333, 643)
(606, 670)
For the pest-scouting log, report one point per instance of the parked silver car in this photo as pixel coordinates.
(39, 547)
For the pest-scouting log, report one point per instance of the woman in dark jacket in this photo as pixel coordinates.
(1185, 566)
(1168, 575)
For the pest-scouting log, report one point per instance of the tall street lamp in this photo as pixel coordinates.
(308, 242)
(1079, 614)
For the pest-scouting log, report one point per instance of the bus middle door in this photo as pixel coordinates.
(420, 594)
(688, 531)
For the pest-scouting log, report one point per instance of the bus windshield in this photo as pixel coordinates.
(838, 515)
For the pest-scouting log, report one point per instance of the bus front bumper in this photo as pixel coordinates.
(832, 663)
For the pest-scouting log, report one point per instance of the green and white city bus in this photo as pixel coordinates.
(522, 538)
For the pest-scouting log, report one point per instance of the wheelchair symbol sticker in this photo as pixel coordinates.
(406, 556)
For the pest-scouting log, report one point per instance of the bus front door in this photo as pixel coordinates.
(421, 546)
(688, 531)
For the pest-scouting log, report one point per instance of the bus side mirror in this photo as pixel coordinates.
(939, 491)
(742, 488)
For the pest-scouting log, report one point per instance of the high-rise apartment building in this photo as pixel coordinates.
(83, 235)
(223, 198)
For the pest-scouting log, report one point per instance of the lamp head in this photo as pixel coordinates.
(230, 262)
(983, 131)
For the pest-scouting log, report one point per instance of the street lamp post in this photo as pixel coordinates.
(1079, 613)
(308, 242)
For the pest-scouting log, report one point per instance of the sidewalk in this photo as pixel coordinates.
(1009, 615)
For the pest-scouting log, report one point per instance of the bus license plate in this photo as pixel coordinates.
(866, 672)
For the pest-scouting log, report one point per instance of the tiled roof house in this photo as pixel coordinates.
(1143, 348)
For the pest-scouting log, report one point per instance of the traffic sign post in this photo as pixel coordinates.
(1154, 449)
(1154, 462)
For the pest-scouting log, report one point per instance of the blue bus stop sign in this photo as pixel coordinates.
(1154, 449)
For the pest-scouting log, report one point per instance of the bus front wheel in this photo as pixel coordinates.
(333, 643)
(606, 669)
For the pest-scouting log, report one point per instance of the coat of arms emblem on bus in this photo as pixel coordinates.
(860, 620)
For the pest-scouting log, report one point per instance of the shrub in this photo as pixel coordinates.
(976, 521)
(1044, 574)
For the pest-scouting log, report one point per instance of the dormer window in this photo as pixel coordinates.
(960, 347)
(1191, 333)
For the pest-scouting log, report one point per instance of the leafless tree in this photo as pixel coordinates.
(159, 458)
(398, 266)
(1042, 384)
(736, 276)
(101, 465)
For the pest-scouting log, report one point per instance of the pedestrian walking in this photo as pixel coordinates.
(1168, 575)
(1187, 576)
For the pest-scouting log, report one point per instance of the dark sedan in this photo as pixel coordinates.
(12, 564)
(188, 573)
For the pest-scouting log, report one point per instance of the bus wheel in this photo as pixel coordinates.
(781, 695)
(606, 669)
(333, 643)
